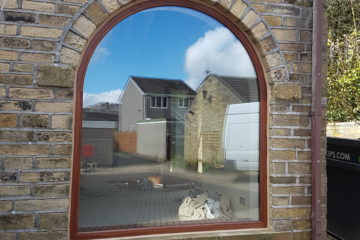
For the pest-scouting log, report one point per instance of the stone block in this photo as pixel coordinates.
(75, 40)
(57, 137)
(48, 163)
(67, 9)
(301, 224)
(96, 13)
(273, 59)
(260, 30)
(41, 204)
(41, 32)
(299, 168)
(250, 19)
(4, 67)
(301, 200)
(8, 177)
(38, 6)
(14, 43)
(11, 4)
(286, 91)
(288, 190)
(17, 221)
(53, 220)
(226, 3)
(55, 76)
(282, 225)
(291, 212)
(62, 149)
(278, 74)
(26, 150)
(292, 47)
(287, 143)
(51, 190)
(282, 155)
(69, 56)
(61, 121)
(84, 26)
(14, 190)
(291, 56)
(57, 21)
(30, 177)
(20, 67)
(56, 235)
(290, 120)
(282, 180)
(8, 120)
(16, 105)
(267, 44)
(15, 79)
(238, 8)
(43, 45)
(8, 236)
(259, 7)
(280, 201)
(76, 1)
(291, 22)
(280, 132)
(5, 206)
(278, 168)
(20, 17)
(8, 55)
(110, 5)
(31, 93)
(18, 163)
(37, 57)
(65, 94)
(273, 20)
(16, 136)
(54, 176)
(8, 29)
(304, 155)
(35, 121)
(53, 107)
(302, 67)
(302, 132)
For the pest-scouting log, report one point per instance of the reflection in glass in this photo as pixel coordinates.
(164, 151)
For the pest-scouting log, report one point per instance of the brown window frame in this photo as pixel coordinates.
(228, 21)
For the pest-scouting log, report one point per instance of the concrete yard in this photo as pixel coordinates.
(121, 197)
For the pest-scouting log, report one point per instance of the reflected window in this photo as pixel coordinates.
(170, 128)
(159, 102)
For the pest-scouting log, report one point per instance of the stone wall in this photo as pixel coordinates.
(343, 130)
(41, 44)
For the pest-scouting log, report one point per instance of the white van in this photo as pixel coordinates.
(241, 136)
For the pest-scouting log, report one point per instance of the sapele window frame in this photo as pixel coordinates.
(232, 24)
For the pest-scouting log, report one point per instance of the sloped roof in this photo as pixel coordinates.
(243, 87)
(163, 86)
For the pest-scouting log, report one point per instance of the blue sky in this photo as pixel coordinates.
(167, 42)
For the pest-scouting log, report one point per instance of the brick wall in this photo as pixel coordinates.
(41, 44)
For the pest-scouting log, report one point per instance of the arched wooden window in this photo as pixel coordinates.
(165, 150)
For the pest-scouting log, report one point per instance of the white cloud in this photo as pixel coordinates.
(110, 96)
(219, 52)
(100, 54)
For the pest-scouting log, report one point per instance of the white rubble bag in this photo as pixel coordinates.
(202, 207)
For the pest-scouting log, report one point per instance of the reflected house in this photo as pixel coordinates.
(151, 116)
(99, 123)
(204, 122)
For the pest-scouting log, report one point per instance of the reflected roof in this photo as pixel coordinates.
(243, 87)
(163, 86)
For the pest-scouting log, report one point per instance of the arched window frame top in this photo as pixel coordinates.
(231, 24)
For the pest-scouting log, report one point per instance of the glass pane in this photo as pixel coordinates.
(170, 122)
